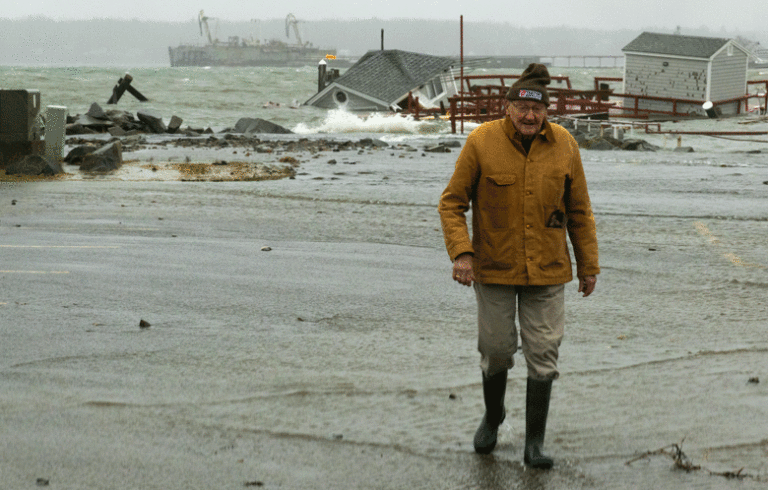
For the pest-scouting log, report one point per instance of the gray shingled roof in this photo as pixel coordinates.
(388, 75)
(676, 45)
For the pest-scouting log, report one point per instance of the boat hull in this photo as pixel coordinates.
(210, 55)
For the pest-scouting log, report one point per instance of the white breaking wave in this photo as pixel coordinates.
(339, 121)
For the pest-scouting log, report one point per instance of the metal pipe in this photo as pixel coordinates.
(461, 92)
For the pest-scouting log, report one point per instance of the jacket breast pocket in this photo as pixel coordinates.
(498, 198)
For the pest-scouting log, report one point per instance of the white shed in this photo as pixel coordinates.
(686, 68)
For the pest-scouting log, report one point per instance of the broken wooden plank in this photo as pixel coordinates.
(122, 85)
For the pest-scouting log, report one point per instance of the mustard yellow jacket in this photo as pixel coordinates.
(522, 206)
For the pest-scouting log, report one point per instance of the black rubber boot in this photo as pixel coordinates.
(494, 388)
(536, 409)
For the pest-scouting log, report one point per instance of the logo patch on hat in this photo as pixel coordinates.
(530, 94)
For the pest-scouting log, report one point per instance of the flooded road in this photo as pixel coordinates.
(345, 357)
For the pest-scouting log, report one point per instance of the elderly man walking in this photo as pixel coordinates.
(523, 179)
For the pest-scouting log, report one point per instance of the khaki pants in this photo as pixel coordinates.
(541, 312)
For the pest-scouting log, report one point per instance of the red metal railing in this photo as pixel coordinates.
(487, 102)
(502, 79)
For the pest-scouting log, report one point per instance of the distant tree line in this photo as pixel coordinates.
(108, 42)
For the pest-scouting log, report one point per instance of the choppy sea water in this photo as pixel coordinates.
(352, 334)
(217, 97)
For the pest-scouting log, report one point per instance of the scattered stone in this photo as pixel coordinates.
(684, 149)
(333, 162)
(452, 396)
(107, 158)
(43, 482)
(290, 160)
(144, 324)
(449, 143)
(34, 165)
(256, 483)
(266, 249)
(13, 202)
(437, 149)
(754, 380)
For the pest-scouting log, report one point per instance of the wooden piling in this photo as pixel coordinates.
(122, 85)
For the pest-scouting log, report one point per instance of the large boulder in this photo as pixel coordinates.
(76, 154)
(107, 158)
(34, 165)
(76, 129)
(638, 145)
(175, 124)
(601, 144)
(97, 112)
(124, 119)
(153, 121)
(248, 125)
(85, 124)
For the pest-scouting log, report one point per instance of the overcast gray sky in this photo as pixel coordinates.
(603, 14)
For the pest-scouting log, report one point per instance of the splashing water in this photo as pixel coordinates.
(340, 121)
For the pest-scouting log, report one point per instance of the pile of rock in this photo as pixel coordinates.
(596, 139)
(122, 123)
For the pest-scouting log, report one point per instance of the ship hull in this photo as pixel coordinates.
(246, 55)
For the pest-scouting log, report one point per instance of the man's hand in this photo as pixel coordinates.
(587, 285)
(462, 269)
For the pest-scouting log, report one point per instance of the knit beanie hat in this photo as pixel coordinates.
(532, 85)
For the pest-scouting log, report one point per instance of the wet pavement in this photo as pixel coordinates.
(344, 357)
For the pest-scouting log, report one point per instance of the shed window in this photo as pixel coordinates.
(730, 50)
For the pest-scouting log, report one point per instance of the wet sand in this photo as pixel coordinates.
(344, 357)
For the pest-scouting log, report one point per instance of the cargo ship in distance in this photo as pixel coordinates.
(238, 51)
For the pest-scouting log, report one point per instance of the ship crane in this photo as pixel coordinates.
(202, 20)
(290, 21)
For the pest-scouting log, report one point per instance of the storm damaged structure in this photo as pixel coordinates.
(677, 74)
(387, 80)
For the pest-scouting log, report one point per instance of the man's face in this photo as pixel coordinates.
(527, 116)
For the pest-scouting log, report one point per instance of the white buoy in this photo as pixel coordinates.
(710, 109)
(55, 123)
